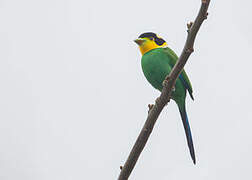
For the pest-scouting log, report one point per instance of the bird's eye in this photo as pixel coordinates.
(151, 38)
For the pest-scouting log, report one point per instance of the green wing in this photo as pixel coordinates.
(183, 76)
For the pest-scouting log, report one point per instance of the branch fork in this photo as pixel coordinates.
(150, 106)
(189, 25)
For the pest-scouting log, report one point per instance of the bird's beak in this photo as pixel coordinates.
(139, 41)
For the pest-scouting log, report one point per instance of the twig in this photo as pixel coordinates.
(164, 98)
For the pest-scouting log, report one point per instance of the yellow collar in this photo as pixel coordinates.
(146, 47)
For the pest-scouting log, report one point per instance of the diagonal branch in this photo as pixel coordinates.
(164, 98)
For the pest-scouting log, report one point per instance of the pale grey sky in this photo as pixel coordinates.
(73, 97)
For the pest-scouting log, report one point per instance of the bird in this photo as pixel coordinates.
(157, 62)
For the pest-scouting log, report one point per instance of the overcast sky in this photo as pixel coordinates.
(73, 97)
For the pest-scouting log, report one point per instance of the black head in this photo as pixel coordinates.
(152, 36)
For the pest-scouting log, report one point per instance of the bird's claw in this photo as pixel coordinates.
(165, 83)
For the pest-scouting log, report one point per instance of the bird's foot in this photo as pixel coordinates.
(173, 89)
(165, 83)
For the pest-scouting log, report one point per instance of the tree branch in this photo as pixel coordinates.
(164, 98)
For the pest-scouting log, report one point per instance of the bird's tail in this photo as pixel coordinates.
(185, 121)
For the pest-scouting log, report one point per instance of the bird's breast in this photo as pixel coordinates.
(155, 68)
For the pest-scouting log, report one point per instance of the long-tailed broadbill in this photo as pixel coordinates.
(157, 62)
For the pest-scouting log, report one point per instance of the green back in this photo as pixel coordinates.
(183, 75)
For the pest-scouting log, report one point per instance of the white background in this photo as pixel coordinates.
(73, 97)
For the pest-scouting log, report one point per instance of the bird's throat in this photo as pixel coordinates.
(146, 47)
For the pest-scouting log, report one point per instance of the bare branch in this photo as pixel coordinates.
(164, 98)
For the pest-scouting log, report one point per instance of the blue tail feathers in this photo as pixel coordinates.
(185, 121)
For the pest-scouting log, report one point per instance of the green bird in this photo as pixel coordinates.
(157, 62)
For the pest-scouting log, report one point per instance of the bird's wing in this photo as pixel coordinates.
(183, 76)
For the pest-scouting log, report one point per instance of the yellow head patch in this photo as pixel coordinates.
(149, 41)
(149, 45)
